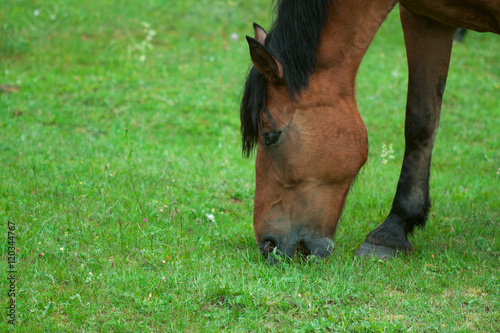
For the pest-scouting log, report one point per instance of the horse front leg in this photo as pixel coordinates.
(428, 46)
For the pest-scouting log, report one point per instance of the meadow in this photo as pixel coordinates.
(123, 180)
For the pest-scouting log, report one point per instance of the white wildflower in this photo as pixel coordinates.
(387, 153)
(143, 46)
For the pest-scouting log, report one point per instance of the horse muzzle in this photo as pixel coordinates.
(278, 247)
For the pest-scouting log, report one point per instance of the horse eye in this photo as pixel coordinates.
(270, 138)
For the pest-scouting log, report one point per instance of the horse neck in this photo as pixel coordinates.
(351, 27)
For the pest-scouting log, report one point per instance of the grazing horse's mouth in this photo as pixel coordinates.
(274, 247)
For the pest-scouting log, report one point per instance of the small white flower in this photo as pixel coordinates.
(234, 37)
(36, 12)
(62, 249)
(142, 58)
(210, 217)
(395, 74)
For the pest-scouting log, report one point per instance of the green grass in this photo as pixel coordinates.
(110, 166)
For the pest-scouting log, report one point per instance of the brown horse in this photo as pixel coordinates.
(299, 109)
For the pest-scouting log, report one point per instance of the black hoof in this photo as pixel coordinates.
(379, 251)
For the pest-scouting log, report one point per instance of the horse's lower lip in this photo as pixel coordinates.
(320, 247)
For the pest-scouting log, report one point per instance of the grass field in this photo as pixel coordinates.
(122, 174)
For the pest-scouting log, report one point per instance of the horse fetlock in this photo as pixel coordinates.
(390, 234)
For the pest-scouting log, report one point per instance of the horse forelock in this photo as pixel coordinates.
(252, 104)
(293, 40)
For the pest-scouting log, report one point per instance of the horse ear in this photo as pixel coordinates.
(264, 61)
(260, 33)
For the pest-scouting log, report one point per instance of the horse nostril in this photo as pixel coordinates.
(269, 243)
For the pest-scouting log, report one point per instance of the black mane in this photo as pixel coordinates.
(293, 40)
